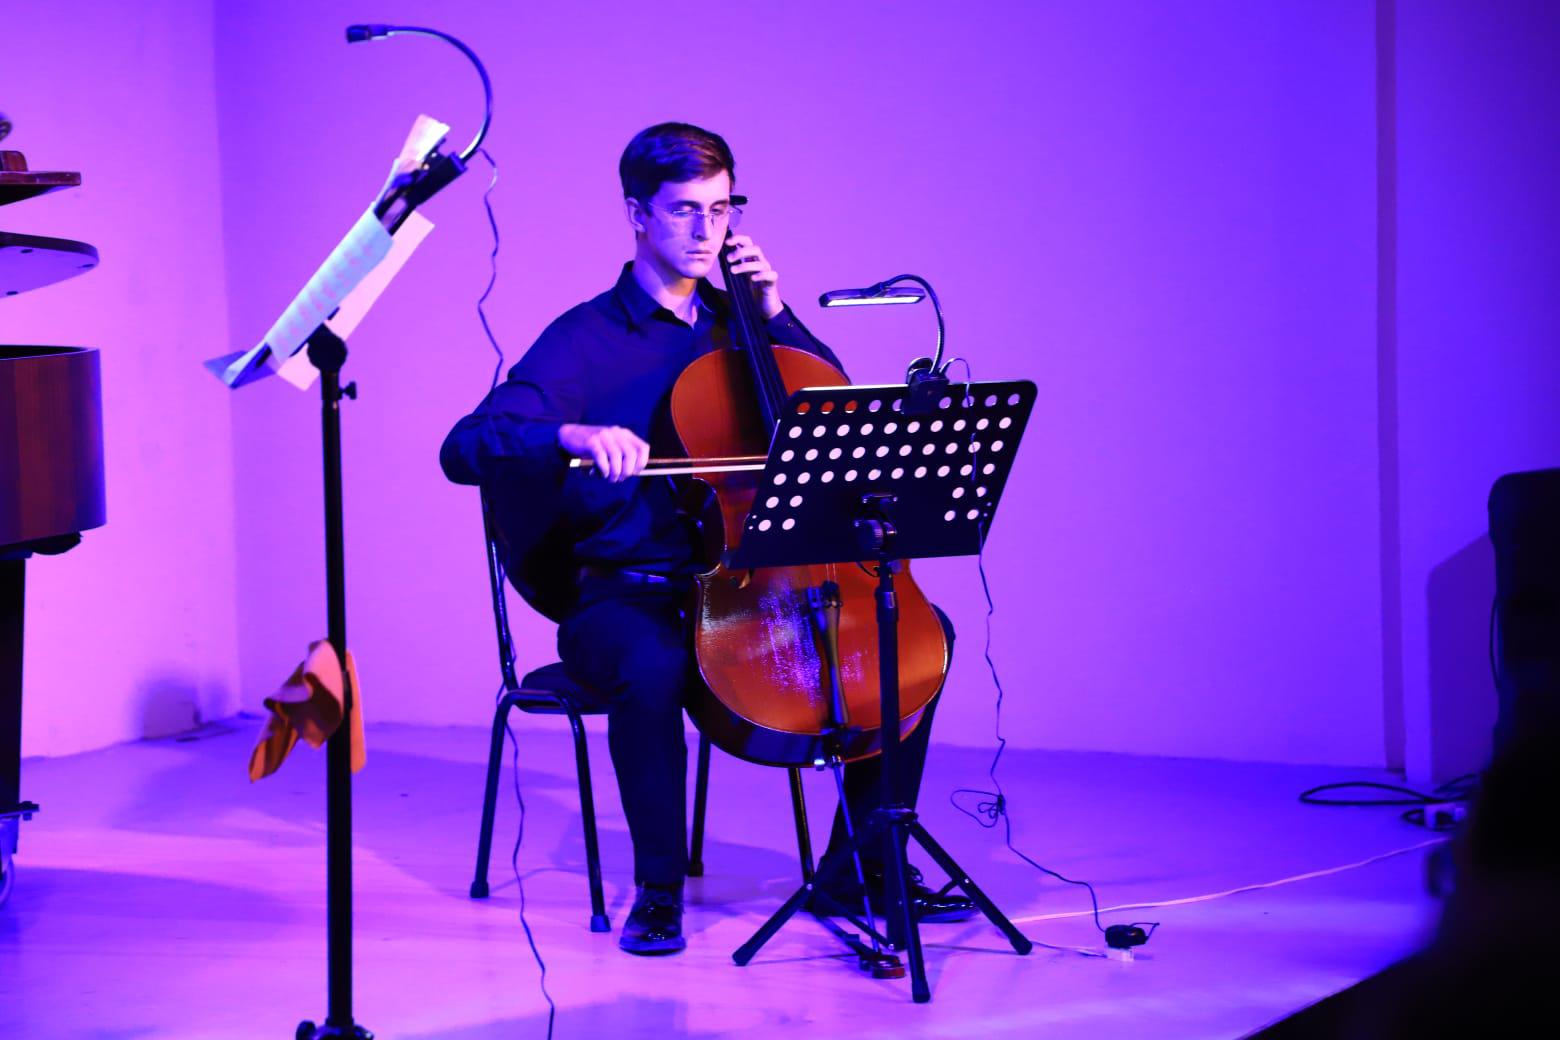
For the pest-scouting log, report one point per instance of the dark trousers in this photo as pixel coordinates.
(631, 644)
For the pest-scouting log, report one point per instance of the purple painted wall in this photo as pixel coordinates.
(1277, 375)
(1166, 218)
(132, 633)
(1478, 336)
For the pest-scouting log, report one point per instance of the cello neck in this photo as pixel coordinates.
(748, 333)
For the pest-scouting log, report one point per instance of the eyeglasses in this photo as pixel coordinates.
(682, 217)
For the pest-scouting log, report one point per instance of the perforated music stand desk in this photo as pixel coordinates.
(946, 469)
(878, 473)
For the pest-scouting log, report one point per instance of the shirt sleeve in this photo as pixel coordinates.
(787, 330)
(514, 431)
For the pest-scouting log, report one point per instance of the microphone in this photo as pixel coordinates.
(872, 295)
(359, 33)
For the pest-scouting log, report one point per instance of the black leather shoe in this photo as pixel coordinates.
(928, 906)
(654, 925)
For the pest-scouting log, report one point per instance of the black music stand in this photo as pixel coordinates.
(875, 473)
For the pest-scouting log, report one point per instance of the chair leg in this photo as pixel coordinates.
(598, 909)
(701, 799)
(479, 883)
(803, 836)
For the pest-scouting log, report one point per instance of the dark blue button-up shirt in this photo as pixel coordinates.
(610, 361)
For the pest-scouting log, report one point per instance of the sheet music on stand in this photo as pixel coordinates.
(836, 445)
(346, 285)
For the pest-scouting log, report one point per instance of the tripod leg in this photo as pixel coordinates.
(900, 918)
(923, 837)
(747, 950)
(821, 879)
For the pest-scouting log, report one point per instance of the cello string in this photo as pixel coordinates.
(774, 388)
(741, 328)
(765, 372)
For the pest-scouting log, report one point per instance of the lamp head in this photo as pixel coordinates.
(872, 296)
(359, 33)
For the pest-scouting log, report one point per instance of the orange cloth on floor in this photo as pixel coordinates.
(309, 706)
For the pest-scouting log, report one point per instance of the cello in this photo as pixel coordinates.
(768, 695)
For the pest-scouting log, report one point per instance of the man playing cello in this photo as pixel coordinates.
(613, 559)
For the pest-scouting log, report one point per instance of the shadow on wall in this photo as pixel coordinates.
(169, 703)
(1463, 701)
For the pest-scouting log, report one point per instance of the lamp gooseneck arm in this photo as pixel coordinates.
(937, 359)
(359, 33)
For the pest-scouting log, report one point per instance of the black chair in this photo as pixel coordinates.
(549, 691)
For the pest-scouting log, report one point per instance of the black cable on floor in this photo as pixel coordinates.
(993, 805)
(514, 863)
(514, 744)
(1460, 789)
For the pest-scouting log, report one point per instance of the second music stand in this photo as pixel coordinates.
(854, 474)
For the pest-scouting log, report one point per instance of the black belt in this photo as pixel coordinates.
(623, 576)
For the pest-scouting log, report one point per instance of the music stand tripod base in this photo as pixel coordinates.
(310, 1031)
(862, 473)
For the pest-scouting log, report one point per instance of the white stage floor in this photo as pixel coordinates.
(160, 894)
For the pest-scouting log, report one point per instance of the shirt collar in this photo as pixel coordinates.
(638, 305)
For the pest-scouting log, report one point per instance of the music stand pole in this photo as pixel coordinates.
(328, 353)
(876, 531)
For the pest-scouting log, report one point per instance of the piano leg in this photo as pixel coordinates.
(12, 573)
(12, 810)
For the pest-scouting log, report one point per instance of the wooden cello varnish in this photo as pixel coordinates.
(767, 696)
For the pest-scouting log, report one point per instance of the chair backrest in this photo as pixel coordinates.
(495, 561)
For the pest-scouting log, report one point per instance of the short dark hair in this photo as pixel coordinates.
(672, 153)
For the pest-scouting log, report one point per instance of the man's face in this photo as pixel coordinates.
(679, 230)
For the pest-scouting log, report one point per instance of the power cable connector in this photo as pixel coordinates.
(1122, 939)
(1125, 936)
(1438, 816)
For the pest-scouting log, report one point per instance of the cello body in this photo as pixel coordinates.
(766, 697)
